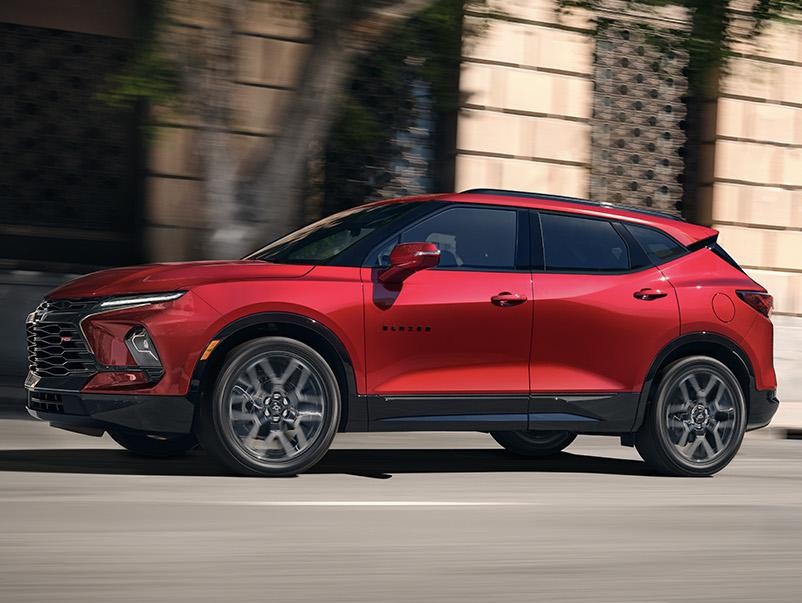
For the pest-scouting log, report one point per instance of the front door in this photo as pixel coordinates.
(452, 343)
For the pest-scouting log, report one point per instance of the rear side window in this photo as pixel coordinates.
(658, 246)
(577, 244)
(469, 238)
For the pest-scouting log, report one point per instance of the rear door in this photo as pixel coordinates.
(602, 310)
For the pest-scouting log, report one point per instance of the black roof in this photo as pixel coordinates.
(636, 209)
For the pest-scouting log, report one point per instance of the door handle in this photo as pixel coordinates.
(647, 294)
(505, 299)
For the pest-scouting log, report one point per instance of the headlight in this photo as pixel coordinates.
(139, 300)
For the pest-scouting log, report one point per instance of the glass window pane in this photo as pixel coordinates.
(471, 238)
(579, 244)
(324, 240)
(660, 247)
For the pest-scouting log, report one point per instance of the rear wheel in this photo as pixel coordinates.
(696, 423)
(154, 446)
(274, 409)
(534, 443)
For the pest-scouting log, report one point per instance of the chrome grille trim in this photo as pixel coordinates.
(56, 345)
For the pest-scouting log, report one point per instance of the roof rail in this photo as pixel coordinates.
(606, 204)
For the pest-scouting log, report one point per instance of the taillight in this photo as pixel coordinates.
(760, 301)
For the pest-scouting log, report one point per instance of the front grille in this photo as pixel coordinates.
(56, 347)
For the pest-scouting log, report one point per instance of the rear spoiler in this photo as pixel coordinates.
(702, 243)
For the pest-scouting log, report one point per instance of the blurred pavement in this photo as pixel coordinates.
(423, 517)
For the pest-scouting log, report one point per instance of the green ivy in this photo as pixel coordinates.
(710, 40)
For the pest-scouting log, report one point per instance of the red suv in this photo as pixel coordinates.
(532, 317)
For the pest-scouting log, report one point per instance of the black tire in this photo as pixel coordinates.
(142, 444)
(241, 438)
(678, 442)
(534, 444)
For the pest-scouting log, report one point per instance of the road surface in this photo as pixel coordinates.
(407, 517)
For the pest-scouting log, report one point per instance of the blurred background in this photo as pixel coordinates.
(141, 131)
(137, 131)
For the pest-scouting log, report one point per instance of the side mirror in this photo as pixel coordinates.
(408, 258)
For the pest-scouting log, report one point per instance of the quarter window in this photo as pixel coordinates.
(659, 247)
(469, 238)
(577, 244)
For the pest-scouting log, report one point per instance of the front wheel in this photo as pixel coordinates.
(274, 410)
(534, 444)
(152, 446)
(696, 423)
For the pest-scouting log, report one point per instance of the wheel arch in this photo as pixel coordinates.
(294, 326)
(713, 345)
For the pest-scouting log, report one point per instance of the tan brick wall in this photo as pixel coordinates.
(528, 94)
(271, 48)
(757, 189)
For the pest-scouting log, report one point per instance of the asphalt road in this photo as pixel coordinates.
(421, 517)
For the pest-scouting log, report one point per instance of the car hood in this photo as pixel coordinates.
(165, 277)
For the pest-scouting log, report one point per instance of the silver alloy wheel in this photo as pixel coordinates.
(701, 416)
(276, 406)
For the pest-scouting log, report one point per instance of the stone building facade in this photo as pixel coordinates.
(533, 120)
(546, 107)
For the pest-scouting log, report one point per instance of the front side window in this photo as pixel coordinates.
(322, 241)
(469, 238)
(659, 247)
(577, 244)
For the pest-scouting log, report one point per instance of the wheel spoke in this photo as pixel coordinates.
(720, 391)
(293, 366)
(686, 433)
(711, 385)
(253, 380)
(289, 449)
(300, 438)
(241, 415)
(717, 438)
(708, 449)
(276, 416)
(703, 425)
(302, 381)
(683, 389)
(692, 447)
(251, 438)
(697, 389)
(310, 415)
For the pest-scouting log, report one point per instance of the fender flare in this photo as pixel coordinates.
(690, 338)
(350, 410)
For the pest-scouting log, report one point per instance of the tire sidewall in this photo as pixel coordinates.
(216, 412)
(675, 373)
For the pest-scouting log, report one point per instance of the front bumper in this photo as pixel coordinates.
(762, 406)
(95, 413)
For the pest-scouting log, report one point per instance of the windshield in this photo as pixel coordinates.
(322, 241)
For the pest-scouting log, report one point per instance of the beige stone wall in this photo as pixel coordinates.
(526, 81)
(272, 42)
(757, 184)
(524, 125)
